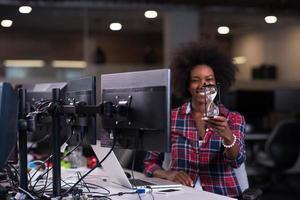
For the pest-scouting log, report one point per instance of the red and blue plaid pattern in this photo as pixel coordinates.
(208, 161)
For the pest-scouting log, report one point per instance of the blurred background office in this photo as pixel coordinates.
(59, 40)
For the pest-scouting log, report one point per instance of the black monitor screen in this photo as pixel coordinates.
(38, 97)
(146, 125)
(287, 100)
(8, 121)
(83, 91)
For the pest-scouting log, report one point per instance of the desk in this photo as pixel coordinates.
(98, 176)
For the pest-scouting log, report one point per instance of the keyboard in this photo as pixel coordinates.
(139, 182)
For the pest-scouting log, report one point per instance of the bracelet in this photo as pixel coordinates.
(232, 144)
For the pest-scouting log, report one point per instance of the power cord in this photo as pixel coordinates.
(41, 176)
(132, 174)
(66, 192)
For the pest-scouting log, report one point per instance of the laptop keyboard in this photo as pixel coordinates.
(139, 182)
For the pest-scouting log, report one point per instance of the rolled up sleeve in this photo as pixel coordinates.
(238, 127)
(151, 163)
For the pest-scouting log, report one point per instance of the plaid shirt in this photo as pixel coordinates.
(208, 161)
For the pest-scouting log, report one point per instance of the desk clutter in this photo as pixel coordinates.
(99, 186)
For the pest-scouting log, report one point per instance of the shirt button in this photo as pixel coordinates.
(207, 129)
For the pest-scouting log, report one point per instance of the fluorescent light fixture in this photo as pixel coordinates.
(25, 9)
(115, 26)
(77, 64)
(271, 19)
(150, 14)
(6, 23)
(239, 60)
(223, 30)
(24, 63)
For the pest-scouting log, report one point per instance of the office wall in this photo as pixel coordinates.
(119, 47)
(124, 51)
(279, 45)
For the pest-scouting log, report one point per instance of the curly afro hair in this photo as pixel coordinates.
(191, 55)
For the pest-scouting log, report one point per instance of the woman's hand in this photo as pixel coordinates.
(221, 127)
(175, 176)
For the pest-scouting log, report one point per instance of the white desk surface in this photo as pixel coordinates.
(98, 176)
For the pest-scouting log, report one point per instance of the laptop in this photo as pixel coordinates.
(114, 170)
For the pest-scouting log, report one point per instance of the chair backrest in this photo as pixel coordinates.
(283, 144)
(242, 177)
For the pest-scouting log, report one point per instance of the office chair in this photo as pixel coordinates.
(281, 149)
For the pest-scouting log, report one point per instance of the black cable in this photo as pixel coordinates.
(96, 196)
(94, 186)
(45, 185)
(17, 172)
(122, 193)
(100, 187)
(132, 174)
(12, 177)
(27, 193)
(50, 168)
(66, 192)
(84, 184)
(42, 175)
(151, 192)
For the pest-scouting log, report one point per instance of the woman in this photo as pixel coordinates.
(204, 150)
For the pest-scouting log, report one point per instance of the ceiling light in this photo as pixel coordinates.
(223, 30)
(25, 9)
(24, 63)
(239, 60)
(271, 19)
(115, 26)
(150, 14)
(78, 64)
(6, 23)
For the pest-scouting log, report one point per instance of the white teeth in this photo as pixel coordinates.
(200, 93)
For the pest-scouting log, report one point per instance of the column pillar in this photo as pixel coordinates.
(180, 26)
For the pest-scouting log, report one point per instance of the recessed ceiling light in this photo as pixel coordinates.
(115, 26)
(150, 14)
(223, 30)
(6, 23)
(24, 63)
(25, 9)
(79, 64)
(239, 60)
(271, 19)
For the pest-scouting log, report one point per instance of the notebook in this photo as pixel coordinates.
(115, 171)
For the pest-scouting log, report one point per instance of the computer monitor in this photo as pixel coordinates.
(83, 91)
(8, 121)
(142, 119)
(38, 97)
(287, 100)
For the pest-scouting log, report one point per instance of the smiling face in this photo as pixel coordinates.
(201, 75)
